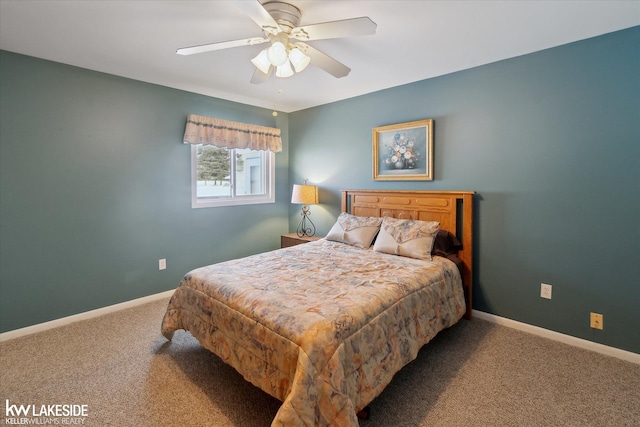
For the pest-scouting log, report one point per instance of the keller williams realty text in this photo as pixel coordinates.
(45, 414)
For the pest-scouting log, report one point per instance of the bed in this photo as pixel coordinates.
(324, 326)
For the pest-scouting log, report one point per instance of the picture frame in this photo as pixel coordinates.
(403, 152)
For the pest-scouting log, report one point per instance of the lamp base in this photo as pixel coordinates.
(306, 226)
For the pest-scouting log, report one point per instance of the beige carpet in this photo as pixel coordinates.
(473, 374)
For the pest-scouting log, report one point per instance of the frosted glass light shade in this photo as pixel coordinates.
(284, 58)
(298, 59)
(284, 70)
(262, 61)
(277, 54)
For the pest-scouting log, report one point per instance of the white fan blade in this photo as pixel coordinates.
(218, 46)
(324, 61)
(330, 30)
(259, 77)
(259, 15)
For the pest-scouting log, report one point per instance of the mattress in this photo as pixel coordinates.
(321, 326)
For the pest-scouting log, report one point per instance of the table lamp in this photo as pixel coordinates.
(305, 195)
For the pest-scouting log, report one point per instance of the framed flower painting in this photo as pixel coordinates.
(403, 152)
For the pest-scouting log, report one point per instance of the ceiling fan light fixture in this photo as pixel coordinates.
(284, 70)
(298, 59)
(262, 61)
(277, 54)
(288, 50)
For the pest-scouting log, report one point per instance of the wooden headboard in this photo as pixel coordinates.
(453, 209)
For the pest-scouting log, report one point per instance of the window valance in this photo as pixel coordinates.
(225, 133)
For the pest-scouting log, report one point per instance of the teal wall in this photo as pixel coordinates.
(94, 184)
(95, 189)
(551, 143)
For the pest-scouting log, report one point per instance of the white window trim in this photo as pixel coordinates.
(209, 202)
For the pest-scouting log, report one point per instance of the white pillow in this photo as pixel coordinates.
(407, 237)
(358, 231)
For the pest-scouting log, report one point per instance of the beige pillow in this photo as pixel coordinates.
(407, 237)
(358, 231)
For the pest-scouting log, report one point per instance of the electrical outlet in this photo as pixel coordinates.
(162, 264)
(545, 291)
(597, 321)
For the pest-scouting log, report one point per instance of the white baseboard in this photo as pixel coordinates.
(16, 333)
(556, 336)
(535, 330)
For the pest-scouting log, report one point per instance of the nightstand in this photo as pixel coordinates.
(293, 239)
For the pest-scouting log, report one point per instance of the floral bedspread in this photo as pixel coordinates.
(321, 326)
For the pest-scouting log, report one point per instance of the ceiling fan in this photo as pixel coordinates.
(280, 23)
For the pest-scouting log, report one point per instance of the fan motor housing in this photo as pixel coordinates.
(285, 14)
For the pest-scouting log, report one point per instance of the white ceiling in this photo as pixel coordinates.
(415, 40)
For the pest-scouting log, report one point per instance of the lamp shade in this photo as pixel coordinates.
(262, 61)
(277, 54)
(284, 70)
(298, 59)
(305, 194)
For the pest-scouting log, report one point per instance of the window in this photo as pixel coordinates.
(231, 176)
(232, 163)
